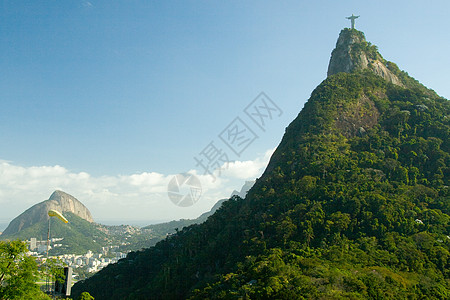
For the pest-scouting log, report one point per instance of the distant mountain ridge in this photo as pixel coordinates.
(59, 201)
(245, 188)
(163, 229)
(82, 233)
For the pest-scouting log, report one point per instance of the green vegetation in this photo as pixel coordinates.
(18, 273)
(152, 234)
(338, 214)
(79, 235)
(363, 46)
(161, 230)
(409, 81)
(85, 296)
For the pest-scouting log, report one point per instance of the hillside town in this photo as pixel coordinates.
(83, 265)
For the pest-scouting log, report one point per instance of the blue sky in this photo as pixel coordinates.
(111, 89)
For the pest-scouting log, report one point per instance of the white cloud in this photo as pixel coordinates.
(247, 169)
(141, 196)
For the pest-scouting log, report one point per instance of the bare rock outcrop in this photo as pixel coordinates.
(353, 53)
(59, 201)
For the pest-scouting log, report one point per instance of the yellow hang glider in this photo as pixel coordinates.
(54, 213)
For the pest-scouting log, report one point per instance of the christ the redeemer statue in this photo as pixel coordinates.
(352, 18)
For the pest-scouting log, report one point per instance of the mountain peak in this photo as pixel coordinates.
(59, 201)
(353, 53)
(61, 196)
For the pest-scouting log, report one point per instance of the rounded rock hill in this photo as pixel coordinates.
(59, 201)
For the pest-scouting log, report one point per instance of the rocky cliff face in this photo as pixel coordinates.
(354, 53)
(59, 201)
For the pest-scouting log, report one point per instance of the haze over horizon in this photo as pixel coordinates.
(107, 101)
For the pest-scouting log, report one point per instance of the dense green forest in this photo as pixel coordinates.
(354, 204)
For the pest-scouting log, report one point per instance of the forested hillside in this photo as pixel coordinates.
(354, 204)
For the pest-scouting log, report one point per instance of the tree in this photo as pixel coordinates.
(53, 270)
(308, 232)
(18, 272)
(85, 296)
